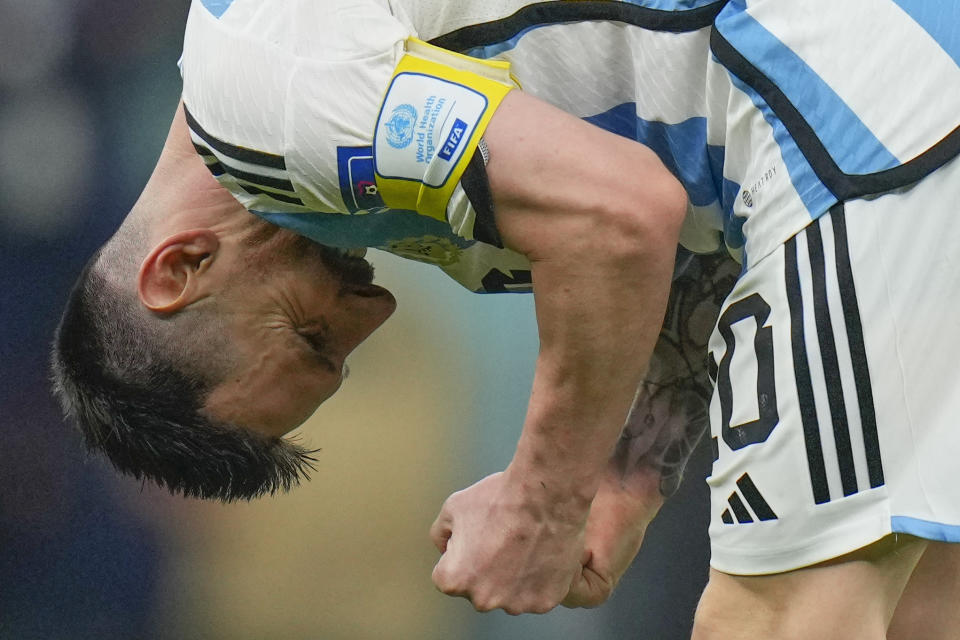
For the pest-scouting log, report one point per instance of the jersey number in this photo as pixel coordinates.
(756, 431)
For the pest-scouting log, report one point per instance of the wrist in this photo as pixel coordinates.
(637, 490)
(564, 450)
(549, 496)
(626, 507)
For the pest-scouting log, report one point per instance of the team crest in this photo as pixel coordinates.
(358, 185)
(399, 128)
(434, 250)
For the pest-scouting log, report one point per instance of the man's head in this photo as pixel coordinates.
(199, 335)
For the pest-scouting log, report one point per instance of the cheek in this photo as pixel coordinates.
(293, 392)
(276, 393)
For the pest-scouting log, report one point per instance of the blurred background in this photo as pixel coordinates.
(434, 402)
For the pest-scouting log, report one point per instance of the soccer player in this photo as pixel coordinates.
(338, 123)
(234, 335)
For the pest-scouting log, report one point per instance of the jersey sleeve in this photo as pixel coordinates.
(342, 126)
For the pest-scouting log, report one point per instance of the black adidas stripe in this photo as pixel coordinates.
(801, 368)
(240, 174)
(858, 350)
(243, 154)
(755, 499)
(739, 509)
(263, 181)
(203, 151)
(215, 168)
(276, 196)
(830, 361)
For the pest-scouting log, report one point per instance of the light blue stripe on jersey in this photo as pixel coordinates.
(925, 529)
(812, 192)
(850, 143)
(671, 5)
(939, 19)
(217, 7)
(682, 147)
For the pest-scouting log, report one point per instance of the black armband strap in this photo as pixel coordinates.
(476, 185)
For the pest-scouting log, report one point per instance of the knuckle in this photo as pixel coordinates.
(449, 582)
(449, 590)
(441, 578)
(533, 605)
(483, 602)
(542, 606)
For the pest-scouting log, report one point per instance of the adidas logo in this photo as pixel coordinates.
(758, 507)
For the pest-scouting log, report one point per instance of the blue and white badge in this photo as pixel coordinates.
(358, 185)
(399, 127)
(424, 126)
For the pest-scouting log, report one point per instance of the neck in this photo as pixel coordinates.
(182, 194)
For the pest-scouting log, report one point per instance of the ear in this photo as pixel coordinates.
(173, 275)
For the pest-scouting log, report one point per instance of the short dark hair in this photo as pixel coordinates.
(139, 400)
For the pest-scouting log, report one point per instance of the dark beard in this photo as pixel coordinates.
(289, 246)
(352, 271)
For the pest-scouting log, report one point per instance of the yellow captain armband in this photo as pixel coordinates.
(436, 109)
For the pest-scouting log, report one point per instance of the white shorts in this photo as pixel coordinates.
(836, 415)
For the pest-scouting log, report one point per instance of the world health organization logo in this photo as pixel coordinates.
(400, 126)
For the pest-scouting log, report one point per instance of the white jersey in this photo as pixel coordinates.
(356, 124)
(833, 422)
(818, 102)
(764, 126)
(312, 116)
(834, 418)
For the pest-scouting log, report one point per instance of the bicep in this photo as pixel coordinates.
(555, 177)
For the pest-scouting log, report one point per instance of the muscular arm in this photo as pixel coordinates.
(598, 216)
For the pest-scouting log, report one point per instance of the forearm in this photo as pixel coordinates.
(598, 216)
(597, 331)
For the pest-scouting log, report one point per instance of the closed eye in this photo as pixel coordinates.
(318, 345)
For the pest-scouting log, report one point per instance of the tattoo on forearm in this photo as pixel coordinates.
(670, 410)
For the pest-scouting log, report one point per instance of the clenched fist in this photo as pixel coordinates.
(507, 545)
